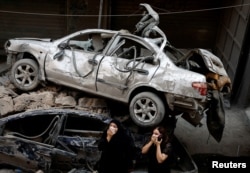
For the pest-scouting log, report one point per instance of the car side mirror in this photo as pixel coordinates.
(59, 54)
(62, 45)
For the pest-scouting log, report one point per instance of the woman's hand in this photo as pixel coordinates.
(157, 142)
(109, 135)
(111, 131)
(154, 139)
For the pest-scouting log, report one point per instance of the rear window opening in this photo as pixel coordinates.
(40, 128)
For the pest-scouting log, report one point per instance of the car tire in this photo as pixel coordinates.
(147, 109)
(24, 74)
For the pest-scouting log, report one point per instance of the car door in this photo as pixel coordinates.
(75, 64)
(128, 64)
(25, 154)
(81, 135)
(26, 142)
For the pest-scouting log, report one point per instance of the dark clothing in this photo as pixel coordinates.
(116, 154)
(153, 165)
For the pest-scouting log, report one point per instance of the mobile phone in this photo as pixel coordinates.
(159, 138)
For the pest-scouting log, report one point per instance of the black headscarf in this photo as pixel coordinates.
(121, 130)
(115, 153)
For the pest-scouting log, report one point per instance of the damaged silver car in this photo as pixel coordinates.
(140, 69)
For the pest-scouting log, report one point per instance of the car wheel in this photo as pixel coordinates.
(147, 109)
(24, 74)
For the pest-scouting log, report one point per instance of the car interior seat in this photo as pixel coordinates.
(97, 42)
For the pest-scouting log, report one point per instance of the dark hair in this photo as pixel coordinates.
(164, 134)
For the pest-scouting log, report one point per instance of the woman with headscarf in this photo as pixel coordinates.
(116, 149)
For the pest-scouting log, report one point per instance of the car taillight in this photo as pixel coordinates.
(201, 87)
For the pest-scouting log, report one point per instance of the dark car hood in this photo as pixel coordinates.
(216, 115)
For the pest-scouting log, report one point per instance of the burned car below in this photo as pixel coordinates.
(145, 72)
(49, 140)
(66, 140)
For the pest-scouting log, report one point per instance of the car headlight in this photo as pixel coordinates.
(7, 44)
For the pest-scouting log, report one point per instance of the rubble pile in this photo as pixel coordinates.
(51, 96)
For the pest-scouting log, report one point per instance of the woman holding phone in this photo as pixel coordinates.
(158, 150)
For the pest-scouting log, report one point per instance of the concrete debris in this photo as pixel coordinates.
(52, 96)
(6, 105)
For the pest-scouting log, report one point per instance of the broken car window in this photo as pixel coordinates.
(82, 126)
(132, 50)
(92, 42)
(31, 128)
